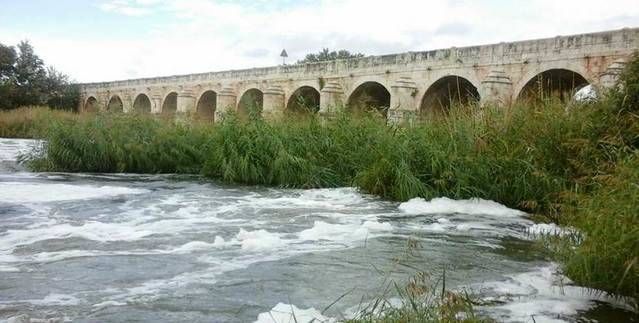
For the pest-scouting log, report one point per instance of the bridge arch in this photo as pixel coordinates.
(304, 100)
(142, 103)
(560, 83)
(91, 104)
(369, 96)
(169, 104)
(206, 105)
(446, 92)
(115, 104)
(251, 101)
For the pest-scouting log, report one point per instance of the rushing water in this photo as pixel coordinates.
(114, 248)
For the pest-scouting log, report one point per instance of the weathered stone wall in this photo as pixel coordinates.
(499, 72)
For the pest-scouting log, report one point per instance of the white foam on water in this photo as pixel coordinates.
(50, 300)
(336, 199)
(19, 192)
(47, 257)
(443, 205)
(259, 240)
(8, 269)
(473, 226)
(151, 289)
(108, 304)
(541, 229)
(542, 293)
(343, 232)
(200, 246)
(91, 230)
(473, 217)
(10, 149)
(286, 313)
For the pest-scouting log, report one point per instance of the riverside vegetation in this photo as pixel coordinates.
(576, 164)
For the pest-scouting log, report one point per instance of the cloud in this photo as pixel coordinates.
(128, 8)
(190, 36)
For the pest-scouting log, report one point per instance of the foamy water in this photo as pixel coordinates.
(111, 248)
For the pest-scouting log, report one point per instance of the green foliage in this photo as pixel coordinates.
(115, 143)
(608, 259)
(328, 55)
(628, 91)
(30, 122)
(7, 61)
(25, 81)
(625, 99)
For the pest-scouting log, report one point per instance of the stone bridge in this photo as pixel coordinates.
(401, 86)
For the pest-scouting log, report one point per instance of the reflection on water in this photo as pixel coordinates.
(112, 248)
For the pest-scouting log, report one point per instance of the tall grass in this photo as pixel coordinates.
(608, 259)
(30, 122)
(548, 157)
(113, 143)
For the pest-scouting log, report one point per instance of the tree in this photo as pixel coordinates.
(7, 61)
(25, 80)
(327, 55)
(59, 92)
(8, 58)
(30, 76)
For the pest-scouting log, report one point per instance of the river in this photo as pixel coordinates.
(168, 248)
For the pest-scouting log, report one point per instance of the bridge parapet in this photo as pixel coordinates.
(499, 72)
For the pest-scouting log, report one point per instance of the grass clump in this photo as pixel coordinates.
(422, 301)
(118, 143)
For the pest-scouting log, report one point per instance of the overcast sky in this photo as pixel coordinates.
(100, 40)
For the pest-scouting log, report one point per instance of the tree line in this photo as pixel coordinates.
(26, 81)
(328, 55)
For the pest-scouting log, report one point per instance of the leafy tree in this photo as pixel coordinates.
(25, 80)
(8, 58)
(7, 61)
(30, 76)
(327, 55)
(60, 93)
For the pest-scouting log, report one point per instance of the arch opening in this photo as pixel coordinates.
(206, 105)
(91, 104)
(370, 96)
(305, 100)
(169, 105)
(561, 84)
(448, 92)
(115, 104)
(142, 104)
(251, 103)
